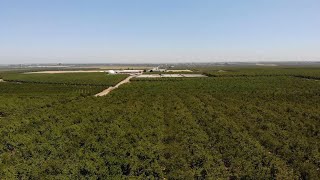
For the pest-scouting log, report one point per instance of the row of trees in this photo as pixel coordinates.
(306, 72)
(206, 128)
(93, 79)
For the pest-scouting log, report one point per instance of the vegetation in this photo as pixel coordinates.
(239, 127)
(96, 79)
(308, 72)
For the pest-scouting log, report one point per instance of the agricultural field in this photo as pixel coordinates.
(307, 72)
(95, 79)
(249, 123)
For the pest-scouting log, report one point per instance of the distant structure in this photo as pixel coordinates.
(112, 72)
(157, 69)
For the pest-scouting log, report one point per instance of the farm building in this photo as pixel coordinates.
(157, 69)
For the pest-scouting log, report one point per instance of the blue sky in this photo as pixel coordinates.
(139, 31)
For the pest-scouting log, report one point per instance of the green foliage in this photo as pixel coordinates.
(95, 79)
(307, 72)
(252, 127)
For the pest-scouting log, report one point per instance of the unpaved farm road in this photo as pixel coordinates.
(107, 91)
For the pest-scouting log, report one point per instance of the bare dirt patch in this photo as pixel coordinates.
(170, 75)
(181, 70)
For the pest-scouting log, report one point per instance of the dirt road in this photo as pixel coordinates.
(1, 80)
(107, 91)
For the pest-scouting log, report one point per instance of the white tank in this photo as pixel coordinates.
(111, 72)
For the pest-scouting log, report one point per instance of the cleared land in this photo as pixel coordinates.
(181, 70)
(120, 67)
(170, 75)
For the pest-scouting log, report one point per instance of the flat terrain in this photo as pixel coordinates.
(169, 75)
(63, 72)
(109, 67)
(179, 70)
(243, 123)
(93, 78)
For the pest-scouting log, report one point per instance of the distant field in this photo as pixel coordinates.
(124, 67)
(249, 123)
(96, 79)
(171, 76)
(263, 71)
(173, 71)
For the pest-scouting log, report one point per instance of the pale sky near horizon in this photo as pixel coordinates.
(158, 31)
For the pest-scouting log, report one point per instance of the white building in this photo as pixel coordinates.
(112, 72)
(157, 69)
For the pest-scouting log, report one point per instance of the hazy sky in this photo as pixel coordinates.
(138, 31)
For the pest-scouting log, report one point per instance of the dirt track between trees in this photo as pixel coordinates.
(107, 91)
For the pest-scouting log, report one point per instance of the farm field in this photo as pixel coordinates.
(94, 78)
(263, 71)
(244, 123)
